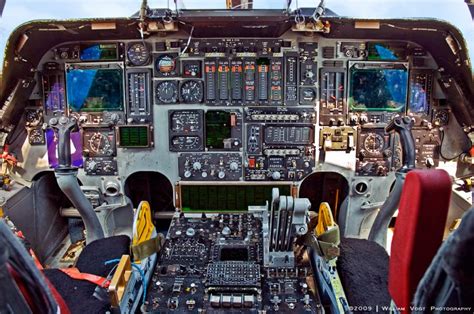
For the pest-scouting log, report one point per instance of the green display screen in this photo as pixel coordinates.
(134, 136)
(218, 128)
(221, 198)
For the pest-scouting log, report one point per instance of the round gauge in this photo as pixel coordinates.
(33, 117)
(442, 117)
(192, 68)
(374, 143)
(100, 144)
(138, 54)
(165, 65)
(167, 92)
(36, 137)
(309, 94)
(192, 91)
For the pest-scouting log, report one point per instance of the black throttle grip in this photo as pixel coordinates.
(403, 126)
(64, 126)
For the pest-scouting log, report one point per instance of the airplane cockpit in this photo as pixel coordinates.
(236, 160)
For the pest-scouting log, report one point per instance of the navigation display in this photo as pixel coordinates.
(378, 87)
(94, 89)
(97, 52)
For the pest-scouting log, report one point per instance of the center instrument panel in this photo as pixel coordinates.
(241, 109)
(218, 264)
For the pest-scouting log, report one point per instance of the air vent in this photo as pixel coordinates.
(333, 64)
(328, 52)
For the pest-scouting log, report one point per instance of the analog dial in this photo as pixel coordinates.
(138, 54)
(165, 65)
(100, 144)
(192, 91)
(167, 92)
(374, 143)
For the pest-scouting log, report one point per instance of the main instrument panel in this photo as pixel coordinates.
(236, 109)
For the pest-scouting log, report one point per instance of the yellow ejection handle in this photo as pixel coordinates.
(325, 219)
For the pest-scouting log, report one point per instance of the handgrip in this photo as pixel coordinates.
(64, 126)
(403, 125)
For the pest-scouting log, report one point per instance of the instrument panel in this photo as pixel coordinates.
(246, 109)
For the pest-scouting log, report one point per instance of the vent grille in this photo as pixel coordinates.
(328, 52)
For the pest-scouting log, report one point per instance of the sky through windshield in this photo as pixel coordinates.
(19, 11)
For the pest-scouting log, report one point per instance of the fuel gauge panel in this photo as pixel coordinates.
(186, 130)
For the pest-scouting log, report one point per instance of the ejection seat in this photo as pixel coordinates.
(371, 278)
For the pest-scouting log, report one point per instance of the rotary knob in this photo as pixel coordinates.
(114, 118)
(309, 74)
(187, 174)
(190, 232)
(92, 166)
(226, 231)
(276, 175)
(234, 166)
(197, 165)
(221, 175)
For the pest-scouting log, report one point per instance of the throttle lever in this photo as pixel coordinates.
(403, 126)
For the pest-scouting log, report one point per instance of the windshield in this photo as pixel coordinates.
(17, 12)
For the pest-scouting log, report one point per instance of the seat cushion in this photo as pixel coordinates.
(96, 253)
(419, 230)
(363, 268)
(78, 294)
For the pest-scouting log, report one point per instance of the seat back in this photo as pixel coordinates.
(418, 232)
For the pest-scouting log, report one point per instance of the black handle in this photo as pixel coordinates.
(403, 125)
(64, 126)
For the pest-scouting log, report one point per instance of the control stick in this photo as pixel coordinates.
(401, 125)
(66, 176)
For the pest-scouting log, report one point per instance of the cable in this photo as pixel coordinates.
(142, 275)
(188, 42)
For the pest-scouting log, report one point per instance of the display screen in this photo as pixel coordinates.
(384, 51)
(227, 197)
(218, 128)
(94, 90)
(98, 52)
(420, 93)
(54, 92)
(378, 89)
(134, 136)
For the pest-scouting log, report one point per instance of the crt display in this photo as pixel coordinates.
(211, 198)
(378, 89)
(133, 136)
(218, 128)
(94, 90)
(384, 51)
(98, 52)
